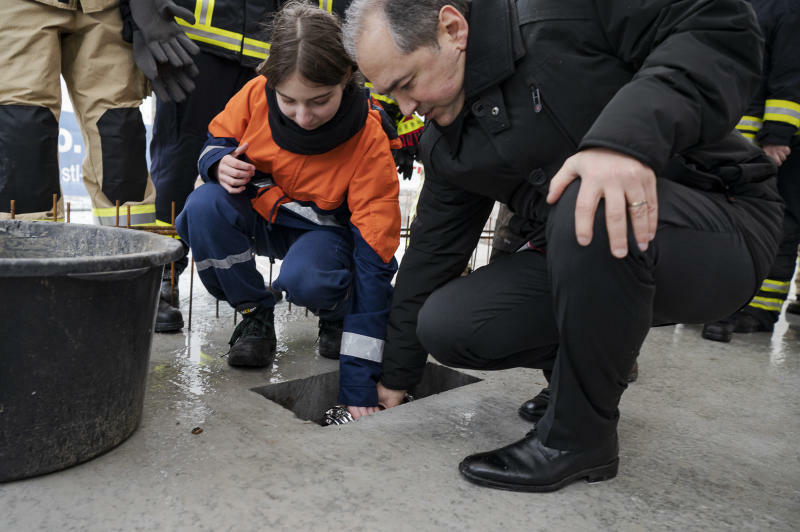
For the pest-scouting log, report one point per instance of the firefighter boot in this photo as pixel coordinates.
(168, 293)
(168, 318)
(330, 338)
(253, 341)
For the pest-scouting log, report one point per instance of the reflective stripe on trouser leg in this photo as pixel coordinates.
(30, 99)
(114, 167)
(218, 228)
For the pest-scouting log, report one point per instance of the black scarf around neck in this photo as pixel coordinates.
(348, 120)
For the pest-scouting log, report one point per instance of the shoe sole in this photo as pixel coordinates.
(594, 474)
(237, 364)
(168, 327)
(717, 337)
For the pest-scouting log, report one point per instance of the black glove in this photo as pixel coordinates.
(163, 40)
(404, 160)
(174, 84)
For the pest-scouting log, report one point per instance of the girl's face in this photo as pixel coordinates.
(307, 104)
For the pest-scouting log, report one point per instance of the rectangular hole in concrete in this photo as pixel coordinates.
(309, 398)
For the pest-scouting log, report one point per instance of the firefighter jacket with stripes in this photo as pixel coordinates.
(663, 81)
(352, 187)
(236, 29)
(774, 115)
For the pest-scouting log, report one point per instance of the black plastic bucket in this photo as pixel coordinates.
(77, 309)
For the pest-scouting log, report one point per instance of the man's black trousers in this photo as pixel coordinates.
(584, 314)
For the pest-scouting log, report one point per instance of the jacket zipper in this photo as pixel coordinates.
(538, 106)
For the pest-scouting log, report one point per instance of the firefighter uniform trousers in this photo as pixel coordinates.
(82, 41)
(224, 232)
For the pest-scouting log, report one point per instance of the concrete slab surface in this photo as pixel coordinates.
(710, 440)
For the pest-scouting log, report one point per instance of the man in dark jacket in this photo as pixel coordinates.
(638, 100)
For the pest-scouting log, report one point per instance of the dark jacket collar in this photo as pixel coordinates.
(493, 46)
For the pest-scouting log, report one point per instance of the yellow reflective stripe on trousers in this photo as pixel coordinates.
(782, 111)
(140, 215)
(327, 5)
(162, 223)
(767, 303)
(780, 287)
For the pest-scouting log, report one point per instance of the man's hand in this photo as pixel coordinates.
(628, 187)
(358, 411)
(388, 398)
(232, 173)
(777, 152)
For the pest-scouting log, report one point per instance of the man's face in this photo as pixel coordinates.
(429, 81)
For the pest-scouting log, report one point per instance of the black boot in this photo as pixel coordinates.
(755, 320)
(330, 338)
(528, 465)
(171, 296)
(794, 306)
(533, 409)
(718, 331)
(168, 318)
(253, 341)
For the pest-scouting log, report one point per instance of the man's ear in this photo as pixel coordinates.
(453, 27)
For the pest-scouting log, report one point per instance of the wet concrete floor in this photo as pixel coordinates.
(709, 435)
(709, 441)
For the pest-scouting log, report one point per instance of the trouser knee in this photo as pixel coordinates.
(122, 140)
(440, 331)
(28, 158)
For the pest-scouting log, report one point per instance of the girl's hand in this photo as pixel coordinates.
(232, 173)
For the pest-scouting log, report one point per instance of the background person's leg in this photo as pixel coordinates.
(106, 88)
(30, 104)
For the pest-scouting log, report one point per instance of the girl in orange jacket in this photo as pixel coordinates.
(299, 167)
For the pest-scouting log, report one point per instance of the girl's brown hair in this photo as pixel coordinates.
(308, 40)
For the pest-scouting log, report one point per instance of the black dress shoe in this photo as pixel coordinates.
(533, 409)
(528, 465)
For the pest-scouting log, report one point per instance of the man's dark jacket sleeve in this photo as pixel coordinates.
(447, 227)
(698, 65)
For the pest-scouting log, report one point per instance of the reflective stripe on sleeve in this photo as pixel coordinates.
(361, 346)
(782, 111)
